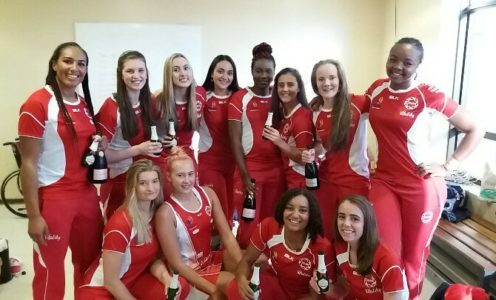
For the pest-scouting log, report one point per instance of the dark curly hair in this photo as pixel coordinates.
(262, 51)
(314, 226)
(415, 43)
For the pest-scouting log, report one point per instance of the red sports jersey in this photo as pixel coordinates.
(120, 236)
(194, 230)
(214, 143)
(386, 276)
(400, 120)
(109, 124)
(59, 167)
(297, 130)
(252, 111)
(350, 165)
(294, 269)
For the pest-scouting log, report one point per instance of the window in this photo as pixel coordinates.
(475, 79)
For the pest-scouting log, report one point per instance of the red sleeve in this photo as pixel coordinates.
(361, 102)
(33, 114)
(303, 129)
(369, 92)
(264, 231)
(117, 233)
(107, 118)
(438, 100)
(390, 270)
(235, 109)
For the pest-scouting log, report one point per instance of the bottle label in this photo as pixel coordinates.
(256, 294)
(323, 284)
(173, 143)
(89, 160)
(248, 213)
(311, 182)
(100, 174)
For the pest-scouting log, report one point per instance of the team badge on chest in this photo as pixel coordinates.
(411, 103)
(305, 263)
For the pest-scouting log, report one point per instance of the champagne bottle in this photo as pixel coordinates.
(268, 122)
(154, 137)
(311, 175)
(255, 281)
(89, 156)
(322, 280)
(249, 206)
(172, 133)
(99, 170)
(173, 288)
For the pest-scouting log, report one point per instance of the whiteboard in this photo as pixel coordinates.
(105, 42)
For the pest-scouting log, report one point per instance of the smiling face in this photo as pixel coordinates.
(287, 88)
(296, 214)
(263, 73)
(70, 68)
(134, 74)
(402, 64)
(350, 222)
(222, 76)
(148, 186)
(181, 72)
(182, 176)
(327, 80)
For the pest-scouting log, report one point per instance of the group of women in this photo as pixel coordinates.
(161, 205)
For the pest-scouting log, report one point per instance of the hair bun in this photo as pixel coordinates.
(177, 151)
(262, 48)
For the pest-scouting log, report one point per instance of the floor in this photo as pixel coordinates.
(14, 229)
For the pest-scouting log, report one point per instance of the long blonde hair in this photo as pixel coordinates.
(166, 104)
(139, 218)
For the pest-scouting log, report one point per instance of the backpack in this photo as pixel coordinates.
(455, 208)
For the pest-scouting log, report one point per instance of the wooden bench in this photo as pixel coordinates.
(471, 244)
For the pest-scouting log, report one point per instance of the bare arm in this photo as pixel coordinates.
(249, 257)
(394, 296)
(226, 236)
(273, 135)
(239, 157)
(30, 151)
(145, 148)
(166, 234)
(111, 267)
(474, 133)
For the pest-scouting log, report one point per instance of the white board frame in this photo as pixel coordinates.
(105, 42)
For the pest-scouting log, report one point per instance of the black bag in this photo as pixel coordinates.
(455, 208)
(5, 274)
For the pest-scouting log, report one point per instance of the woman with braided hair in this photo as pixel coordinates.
(256, 158)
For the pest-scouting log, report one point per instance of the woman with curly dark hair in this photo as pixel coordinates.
(291, 239)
